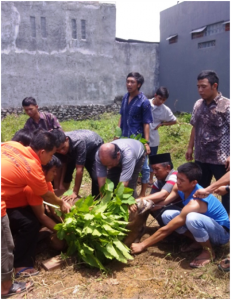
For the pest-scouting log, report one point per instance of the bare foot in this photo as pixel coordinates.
(203, 259)
(136, 248)
(191, 247)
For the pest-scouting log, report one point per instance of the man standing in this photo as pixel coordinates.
(123, 159)
(44, 120)
(210, 135)
(135, 118)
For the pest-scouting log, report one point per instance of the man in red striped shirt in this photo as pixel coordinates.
(162, 187)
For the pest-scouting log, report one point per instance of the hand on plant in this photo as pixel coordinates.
(221, 191)
(65, 207)
(188, 154)
(71, 198)
(133, 208)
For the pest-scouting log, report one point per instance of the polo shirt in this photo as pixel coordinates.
(130, 152)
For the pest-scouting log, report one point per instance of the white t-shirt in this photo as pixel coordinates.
(160, 114)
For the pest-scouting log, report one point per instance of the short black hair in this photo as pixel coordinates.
(43, 140)
(29, 101)
(163, 92)
(60, 136)
(210, 75)
(191, 170)
(23, 136)
(167, 163)
(53, 162)
(138, 77)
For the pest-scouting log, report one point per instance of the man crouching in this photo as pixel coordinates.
(205, 220)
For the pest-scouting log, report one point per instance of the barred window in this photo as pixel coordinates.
(207, 44)
(74, 29)
(83, 29)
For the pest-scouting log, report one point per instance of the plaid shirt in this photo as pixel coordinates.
(212, 130)
(47, 121)
(135, 114)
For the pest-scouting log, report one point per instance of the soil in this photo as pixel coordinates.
(161, 272)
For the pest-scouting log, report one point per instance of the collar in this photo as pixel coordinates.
(216, 99)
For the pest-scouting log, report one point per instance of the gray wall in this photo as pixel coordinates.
(181, 62)
(60, 70)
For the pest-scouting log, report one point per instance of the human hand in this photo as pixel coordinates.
(133, 208)
(188, 154)
(221, 191)
(227, 164)
(136, 248)
(201, 193)
(158, 126)
(65, 207)
(148, 150)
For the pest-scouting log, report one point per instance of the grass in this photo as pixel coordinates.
(173, 139)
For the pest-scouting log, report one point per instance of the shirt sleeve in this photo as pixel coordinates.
(31, 198)
(169, 116)
(101, 170)
(128, 166)
(36, 181)
(168, 186)
(147, 113)
(56, 123)
(193, 117)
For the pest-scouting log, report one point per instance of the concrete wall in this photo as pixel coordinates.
(181, 62)
(46, 62)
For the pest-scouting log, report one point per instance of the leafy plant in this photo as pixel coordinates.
(94, 230)
(138, 137)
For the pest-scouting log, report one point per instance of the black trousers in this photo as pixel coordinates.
(25, 229)
(210, 170)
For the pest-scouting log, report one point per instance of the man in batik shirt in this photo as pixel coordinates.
(210, 134)
(42, 120)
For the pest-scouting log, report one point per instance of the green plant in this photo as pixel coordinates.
(94, 229)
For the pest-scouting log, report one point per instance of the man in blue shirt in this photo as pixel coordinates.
(135, 118)
(205, 220)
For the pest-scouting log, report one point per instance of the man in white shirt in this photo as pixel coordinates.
(162, 116)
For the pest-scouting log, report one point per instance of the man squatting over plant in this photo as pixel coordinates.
(21, 167)
(120, 161)
(205, 220)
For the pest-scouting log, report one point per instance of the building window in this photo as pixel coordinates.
(33, 26)
(214, 29)
(74, 29)
(207, 44)
(227, 25)
(83, 29)
(172, 39)
(43, 27)
(198, 32)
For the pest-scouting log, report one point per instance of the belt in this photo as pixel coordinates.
(227, 229)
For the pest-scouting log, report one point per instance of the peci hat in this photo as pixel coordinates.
(159, 158)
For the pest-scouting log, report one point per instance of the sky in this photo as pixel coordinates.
(139, 19)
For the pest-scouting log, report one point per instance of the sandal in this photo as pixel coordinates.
(24, 274)
(18, 288)
(224, 265)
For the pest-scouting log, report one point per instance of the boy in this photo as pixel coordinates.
(26, 214)
(42, 120)
(205, 220)
(162, 116)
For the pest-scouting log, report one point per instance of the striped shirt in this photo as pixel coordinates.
(166, 184)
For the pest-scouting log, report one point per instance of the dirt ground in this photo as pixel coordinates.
(161, 272)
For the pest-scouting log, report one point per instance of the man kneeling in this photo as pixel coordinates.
(205, 220)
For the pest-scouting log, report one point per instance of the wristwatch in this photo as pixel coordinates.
(227, 188)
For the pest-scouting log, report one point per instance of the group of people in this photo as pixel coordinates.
(38, 164)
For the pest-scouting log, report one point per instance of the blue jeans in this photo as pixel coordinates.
(203, 228)
(145, 171)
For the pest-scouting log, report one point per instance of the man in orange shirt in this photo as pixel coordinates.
(21, 166)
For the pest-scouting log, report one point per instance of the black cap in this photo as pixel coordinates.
(159, 158)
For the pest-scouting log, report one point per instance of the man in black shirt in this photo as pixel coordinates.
(77, 150)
